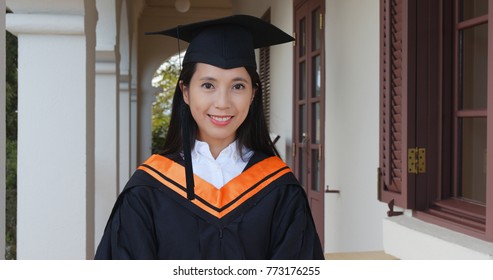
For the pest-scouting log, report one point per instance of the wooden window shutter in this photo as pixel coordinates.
(264, 73)
(396, 84)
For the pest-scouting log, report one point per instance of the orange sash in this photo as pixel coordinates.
(217, 202)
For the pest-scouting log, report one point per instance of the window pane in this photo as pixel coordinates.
(316, 29)
(473, 67)
(316, 123)
(316, 76)
(473, 159)
(315, 171)
(302, 81)
(302, 41)
(473, 8)
(302, 120)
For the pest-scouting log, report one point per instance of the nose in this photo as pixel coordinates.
(223, 99)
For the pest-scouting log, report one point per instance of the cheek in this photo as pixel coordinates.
(198, 105)
(195, 110)
(244, 105)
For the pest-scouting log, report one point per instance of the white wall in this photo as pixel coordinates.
(281, 117)
(2, 130)
(354, 217)
(408, 238)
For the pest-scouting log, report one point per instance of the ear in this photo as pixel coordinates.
(184, 90)
(254, 92)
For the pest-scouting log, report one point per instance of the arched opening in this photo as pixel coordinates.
(165, 78)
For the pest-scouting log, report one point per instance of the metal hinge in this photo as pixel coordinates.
(294, 36)
(416, 160)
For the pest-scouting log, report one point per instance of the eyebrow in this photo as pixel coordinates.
(237, 79)
(207, 78)
(240, 79)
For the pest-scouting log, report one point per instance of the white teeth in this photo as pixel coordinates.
(221, 119)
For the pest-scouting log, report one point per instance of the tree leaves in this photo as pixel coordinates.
(166, 77)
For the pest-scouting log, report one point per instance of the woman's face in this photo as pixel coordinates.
(219, 100)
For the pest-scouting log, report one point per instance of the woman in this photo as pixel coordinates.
(218, 190)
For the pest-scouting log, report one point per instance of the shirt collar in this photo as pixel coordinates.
(201, 150)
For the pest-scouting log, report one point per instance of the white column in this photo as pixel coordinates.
(55, 206)
(2, 130)
(135, 13)
(146, 98)
(124, 131)
(106, 150)
(125, 70)
(107, 113)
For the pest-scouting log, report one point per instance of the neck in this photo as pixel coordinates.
(216, 147)
(215, 150)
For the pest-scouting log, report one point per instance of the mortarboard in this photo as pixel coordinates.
(228, 42)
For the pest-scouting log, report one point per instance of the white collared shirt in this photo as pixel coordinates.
(221, 170)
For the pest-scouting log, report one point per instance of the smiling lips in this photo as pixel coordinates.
(220, 120)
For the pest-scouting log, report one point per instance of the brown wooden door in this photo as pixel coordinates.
(309, 104)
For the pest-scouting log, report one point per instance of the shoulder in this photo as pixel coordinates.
(259, 158)
(176, 157)
(154, 173)
(140, 188)
(142, 179)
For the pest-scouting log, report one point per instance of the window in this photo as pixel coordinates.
(436, 80)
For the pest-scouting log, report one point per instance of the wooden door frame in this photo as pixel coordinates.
(310, 6)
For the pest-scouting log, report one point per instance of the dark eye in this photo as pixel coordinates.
(207, 86)
(239, 86)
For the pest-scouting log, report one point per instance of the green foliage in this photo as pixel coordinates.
(11, 148)
(166, 78)
(11, 200)
(11, 86)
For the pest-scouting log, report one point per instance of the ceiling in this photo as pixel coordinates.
(194, 4)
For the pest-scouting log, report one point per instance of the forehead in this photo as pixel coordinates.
(209, 71)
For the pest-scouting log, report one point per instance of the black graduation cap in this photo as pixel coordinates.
(228, 42)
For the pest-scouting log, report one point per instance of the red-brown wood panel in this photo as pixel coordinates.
(309, 104)
(396, 81)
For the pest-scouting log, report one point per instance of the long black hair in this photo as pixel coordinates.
(252, 133)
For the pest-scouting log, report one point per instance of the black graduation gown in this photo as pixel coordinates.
(261, 214)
